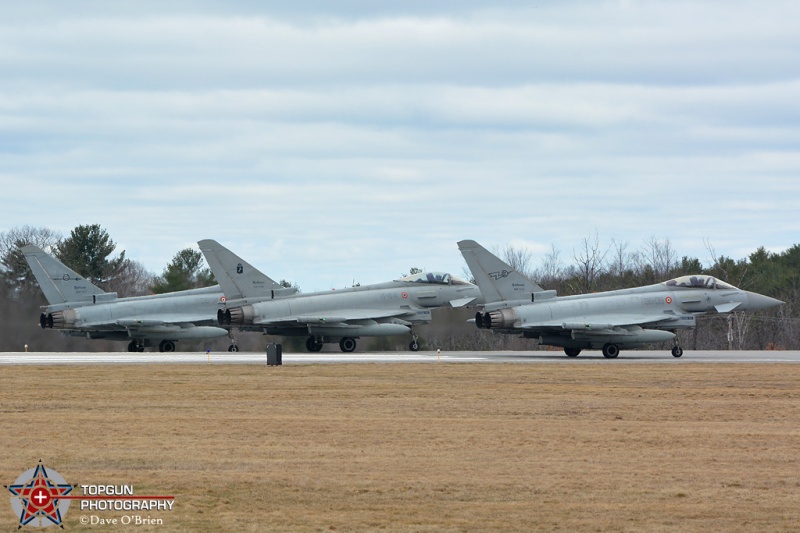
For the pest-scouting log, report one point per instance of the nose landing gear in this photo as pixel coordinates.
(677, 351)
(414, 346)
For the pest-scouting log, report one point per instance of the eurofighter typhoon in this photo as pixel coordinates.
(609, 320)
(383, 309)
(79, 308)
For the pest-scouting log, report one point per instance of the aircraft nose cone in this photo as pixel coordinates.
(757, 301)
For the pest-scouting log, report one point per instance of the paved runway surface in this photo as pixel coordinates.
(242, 358)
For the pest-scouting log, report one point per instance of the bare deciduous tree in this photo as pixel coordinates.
(551, 273)
(589, 263)
(620, 260)
(133, 279)
(661, 257)
(519, 259)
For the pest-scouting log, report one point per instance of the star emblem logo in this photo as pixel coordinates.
(36, 497)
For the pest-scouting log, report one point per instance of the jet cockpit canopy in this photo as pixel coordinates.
(439, 278)
(698, 281)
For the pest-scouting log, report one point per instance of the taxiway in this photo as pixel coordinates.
(532, 357)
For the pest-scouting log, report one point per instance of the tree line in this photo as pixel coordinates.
(90, 251)
(589, 267)
(594, 267)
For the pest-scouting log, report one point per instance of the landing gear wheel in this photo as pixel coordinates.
(347, 344)
(610, 351)
(572, 352)
(233, 346)
(677, 351)
(132, 346)
(166, 346)
(313, 344)
(414, 346)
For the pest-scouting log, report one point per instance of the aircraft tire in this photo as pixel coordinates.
(572, 352)
(610, 351)
(677, 351)
(347, 344)
(414, 346)
(313, 345)
(166, 346)
(233, 348)
(132, 346)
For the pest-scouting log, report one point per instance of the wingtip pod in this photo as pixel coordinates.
(497, 280)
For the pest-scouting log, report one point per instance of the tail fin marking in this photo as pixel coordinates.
(238, 279)
(497, 281)
(59, 283)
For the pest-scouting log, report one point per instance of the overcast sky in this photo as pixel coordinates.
(332, 142)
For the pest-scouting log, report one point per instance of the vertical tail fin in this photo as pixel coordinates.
(236, 276)
(497, 281)
(58, 282)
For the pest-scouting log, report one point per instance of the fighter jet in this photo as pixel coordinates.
(391, 308)
(610, 320)
(79, 308)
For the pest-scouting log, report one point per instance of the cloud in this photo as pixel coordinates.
(359, 139)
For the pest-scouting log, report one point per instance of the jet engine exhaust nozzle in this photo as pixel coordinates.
(58, 320)
(239, 316)
(500, 319)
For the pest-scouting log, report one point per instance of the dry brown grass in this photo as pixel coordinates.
(451, 447)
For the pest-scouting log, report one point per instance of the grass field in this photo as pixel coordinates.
(450, 447)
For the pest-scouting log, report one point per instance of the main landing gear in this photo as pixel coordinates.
(166, 346)
(136, 346)
(610, 351)
(139, 345)
(315, 344)
(347, 344)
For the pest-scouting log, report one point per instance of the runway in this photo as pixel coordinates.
(530, 357)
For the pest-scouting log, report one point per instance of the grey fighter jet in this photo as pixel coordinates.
(79, 308)
(610, 320)
(342, 316)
